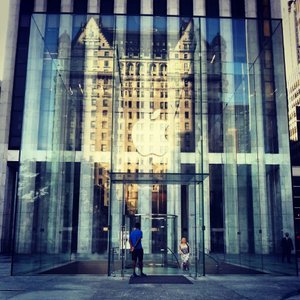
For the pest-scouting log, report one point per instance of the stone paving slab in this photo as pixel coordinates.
(258, 287)
(73, 287)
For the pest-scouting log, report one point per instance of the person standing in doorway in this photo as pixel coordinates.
(184, 251)
(136, 249)
(287, 247)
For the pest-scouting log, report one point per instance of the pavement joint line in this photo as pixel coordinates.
(11, 290)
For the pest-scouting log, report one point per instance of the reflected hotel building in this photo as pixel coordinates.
(170, 113)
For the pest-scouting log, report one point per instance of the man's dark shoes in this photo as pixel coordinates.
(143, 275)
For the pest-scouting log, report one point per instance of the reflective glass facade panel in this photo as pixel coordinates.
(153, 95)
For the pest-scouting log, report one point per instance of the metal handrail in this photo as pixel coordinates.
(214, 259)
(178, 264)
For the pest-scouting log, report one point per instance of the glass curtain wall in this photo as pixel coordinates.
(43, 223)
(142, 94)
(248, 204)
(154, 124)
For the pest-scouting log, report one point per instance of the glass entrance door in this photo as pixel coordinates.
(160, 243)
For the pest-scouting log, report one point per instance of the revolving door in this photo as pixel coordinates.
(168, 207)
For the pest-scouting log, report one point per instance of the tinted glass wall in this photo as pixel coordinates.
(140, 94)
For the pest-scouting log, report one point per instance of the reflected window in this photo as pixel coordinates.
(159, 7)
(53, 6)
(212, 8)
(133, 7)
(27, 6)
(238, 9)
(186, 8)
(79, 6)
(263, 9)
(105, 102)
(107, 7)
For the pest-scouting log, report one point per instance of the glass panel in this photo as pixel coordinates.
(46, 183)
(168, 96)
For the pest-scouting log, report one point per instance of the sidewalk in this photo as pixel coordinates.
(42, 287)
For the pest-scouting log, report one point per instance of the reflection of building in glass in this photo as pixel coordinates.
(148, 98)
(291, 29)
(291, 17)
(191, 110)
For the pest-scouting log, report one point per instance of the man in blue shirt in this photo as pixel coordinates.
(136, 248)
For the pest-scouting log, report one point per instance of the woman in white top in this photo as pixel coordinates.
(184, 251)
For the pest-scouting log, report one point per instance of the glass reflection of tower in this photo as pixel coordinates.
(91, 79)
(152, 86)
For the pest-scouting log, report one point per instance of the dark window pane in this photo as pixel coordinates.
(19, 86)
(133, 7)
(245, 206)
(216, 207)
(186, 7)
(18, 103)
(20, 70)
(107, 7)
(238, 8)
(21, 56)
(15, 129)
(27, 6)
(25, 21)
(14, 142)
(263, 9)
(274, 205)
(159, 7)
(212, 8)
(80, 6)
(53, 6)
(23, 36)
